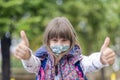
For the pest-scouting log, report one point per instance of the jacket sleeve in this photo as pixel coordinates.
(92, 63)
(32, 65)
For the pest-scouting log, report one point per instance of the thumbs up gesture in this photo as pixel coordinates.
(107, 54)
(22, 51)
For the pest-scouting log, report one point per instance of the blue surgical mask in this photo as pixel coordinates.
(57, 49)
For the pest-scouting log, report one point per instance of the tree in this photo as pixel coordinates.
(5, 47)
(90, 19)
(93, 20)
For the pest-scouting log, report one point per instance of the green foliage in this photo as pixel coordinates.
(15, 63)
(93, 20)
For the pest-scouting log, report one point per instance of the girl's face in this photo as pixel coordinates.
(59, 45)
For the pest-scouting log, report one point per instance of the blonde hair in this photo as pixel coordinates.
(60, 27)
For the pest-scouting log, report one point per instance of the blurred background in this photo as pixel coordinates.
(93, 20)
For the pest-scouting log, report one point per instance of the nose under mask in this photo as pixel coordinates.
(57, 49)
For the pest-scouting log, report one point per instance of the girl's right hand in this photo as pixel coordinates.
(22, 51)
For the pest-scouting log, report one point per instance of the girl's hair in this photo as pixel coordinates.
(62, 28)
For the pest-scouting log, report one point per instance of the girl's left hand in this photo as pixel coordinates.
(107, 54)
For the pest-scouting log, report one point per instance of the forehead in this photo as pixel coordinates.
(59, 32)
(62, 40)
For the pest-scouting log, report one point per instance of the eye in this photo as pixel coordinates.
(64, 39)
(54, 39)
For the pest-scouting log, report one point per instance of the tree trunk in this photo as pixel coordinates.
(5, 47)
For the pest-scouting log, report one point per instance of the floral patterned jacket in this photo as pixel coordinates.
(66, 69)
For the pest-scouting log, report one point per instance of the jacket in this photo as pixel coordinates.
(66, 69)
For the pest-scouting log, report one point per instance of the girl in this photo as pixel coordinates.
(57, 58)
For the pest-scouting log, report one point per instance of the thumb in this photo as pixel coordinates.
(24, 38)
(106, 44)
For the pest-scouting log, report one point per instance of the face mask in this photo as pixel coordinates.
(58, 49)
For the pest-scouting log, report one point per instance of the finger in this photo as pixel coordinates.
(24, 38)
(23, 48)
(111, 55)
(21, 51)
(111, 60)
(107, 52)
(18, 57)
(106, 44)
